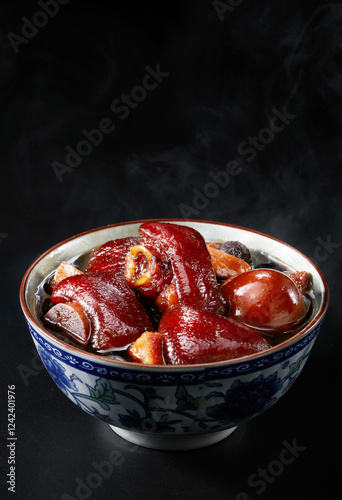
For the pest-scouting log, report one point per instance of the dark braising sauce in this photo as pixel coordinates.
(260, 260)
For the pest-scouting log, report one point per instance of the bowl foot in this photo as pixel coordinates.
(173, 443)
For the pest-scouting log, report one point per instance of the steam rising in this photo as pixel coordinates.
(226, 79)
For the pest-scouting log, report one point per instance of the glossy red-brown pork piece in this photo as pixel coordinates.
(111, 256)
(191, 335)
(70, 319)
(117, 318)
(191, 263)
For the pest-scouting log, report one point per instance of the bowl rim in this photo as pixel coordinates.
(131, 364)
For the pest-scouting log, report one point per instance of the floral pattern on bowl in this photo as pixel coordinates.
(215, 402)
(173, 407)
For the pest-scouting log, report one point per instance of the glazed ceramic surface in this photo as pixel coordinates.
(173, 407)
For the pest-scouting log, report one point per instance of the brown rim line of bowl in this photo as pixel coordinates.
(55, 254)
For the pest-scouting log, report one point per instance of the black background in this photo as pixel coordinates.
(225, 79)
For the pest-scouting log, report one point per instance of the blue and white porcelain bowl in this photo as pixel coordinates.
(173, 407)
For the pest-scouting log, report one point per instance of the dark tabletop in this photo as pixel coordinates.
(114, 111)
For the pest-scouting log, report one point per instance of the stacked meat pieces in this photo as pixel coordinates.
(168, 297)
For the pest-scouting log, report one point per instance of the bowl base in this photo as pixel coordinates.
(173, 443)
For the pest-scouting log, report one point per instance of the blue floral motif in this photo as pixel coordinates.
(100, 416)
(295, 367)
(146, 424)
(158, 378)
(57, 372)
(140, 405)
(245, 399)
